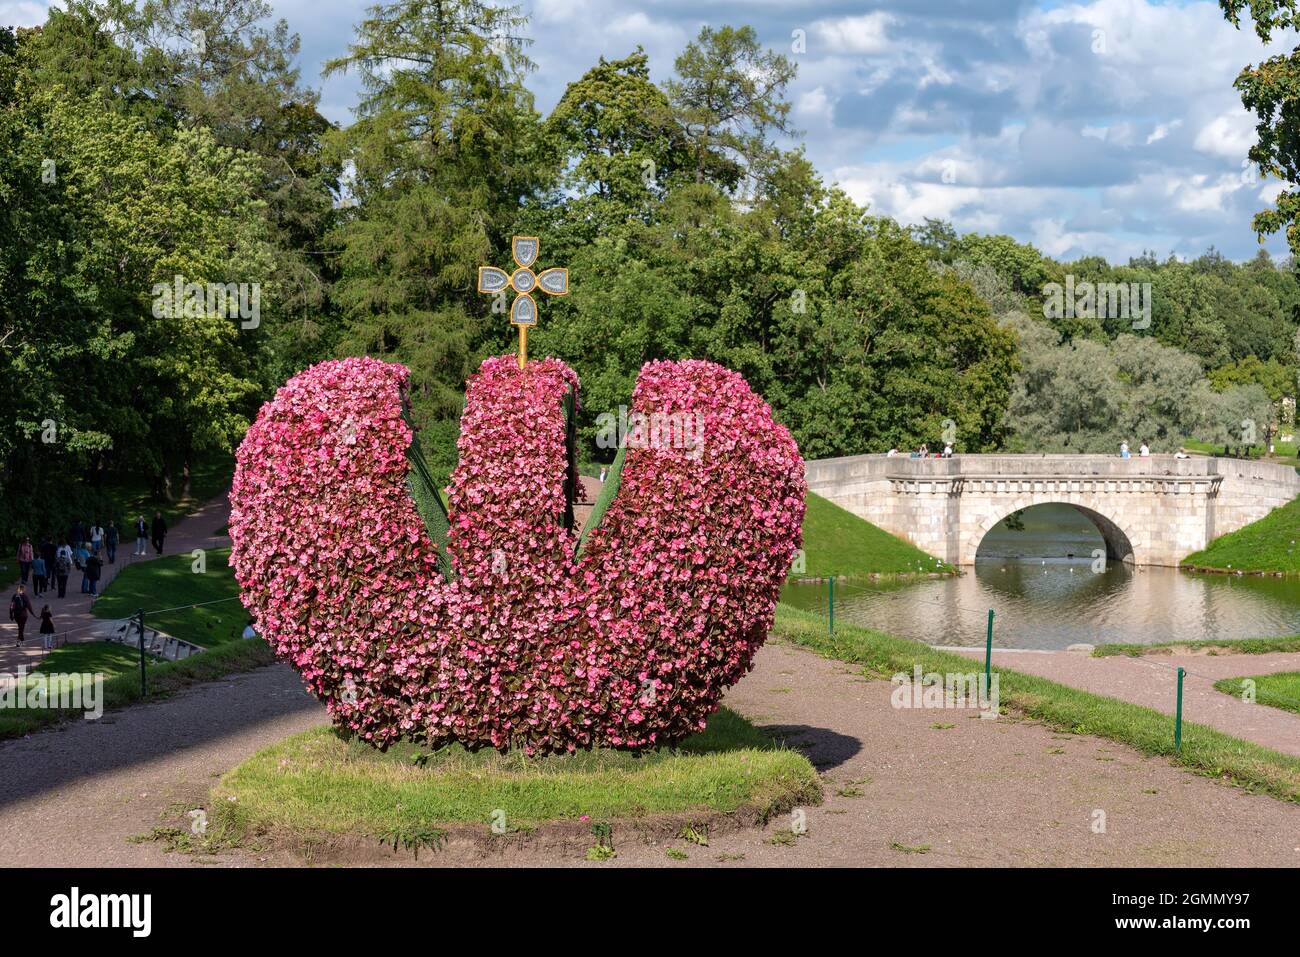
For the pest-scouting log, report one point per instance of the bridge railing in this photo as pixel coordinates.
(872, 467)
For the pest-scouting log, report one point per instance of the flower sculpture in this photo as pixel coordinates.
(532, 641)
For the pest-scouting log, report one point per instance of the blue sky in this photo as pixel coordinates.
(1099, 128)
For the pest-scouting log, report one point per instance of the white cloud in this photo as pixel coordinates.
(863, 34)
(1229, 135)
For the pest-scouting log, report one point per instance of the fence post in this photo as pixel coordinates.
(988, 655)
(143, 688)
(1178, 715)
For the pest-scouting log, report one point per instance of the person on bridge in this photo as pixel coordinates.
(1123, 451)
(1144, 451)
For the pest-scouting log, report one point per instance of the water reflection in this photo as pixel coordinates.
(1041, 582)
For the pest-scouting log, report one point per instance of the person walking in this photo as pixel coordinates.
(81, 557)
(63, 568)
(159, 532)
(20, 609)
(96, 536)
(47, 552)
(77, 534)
(47, 628)
(110, 542)
(94, 568)
(141, 537)
(39, 573)
(25, 559)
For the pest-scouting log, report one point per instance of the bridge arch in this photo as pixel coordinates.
(1119, 544)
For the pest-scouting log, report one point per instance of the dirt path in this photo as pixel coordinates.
(1153, 681)
(984, 793)
(72, 613)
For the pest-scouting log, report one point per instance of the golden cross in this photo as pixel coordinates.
(523, 311)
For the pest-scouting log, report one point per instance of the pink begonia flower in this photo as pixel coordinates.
(529, 645)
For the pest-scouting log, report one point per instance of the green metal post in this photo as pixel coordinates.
(143, 688)
(988, 655)
(830, 601)
(1178, 715)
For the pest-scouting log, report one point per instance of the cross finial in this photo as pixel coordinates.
(523, 311)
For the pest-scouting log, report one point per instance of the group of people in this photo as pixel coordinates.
(922, 451)
(47, 566)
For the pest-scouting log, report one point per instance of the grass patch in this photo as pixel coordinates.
(1271, 544)
(1280, 690)
(836, 542)
(170, 582)
(317, 782)
(122, 686)
(1231, 646)
(1205, 750)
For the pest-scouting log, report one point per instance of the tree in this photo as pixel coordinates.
(445, 146)
(728, 95)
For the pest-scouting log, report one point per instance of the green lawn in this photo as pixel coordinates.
(1281, 690)
(169, 583)
(837, 542)
(1270, 545)
(1205, 750)
(317, 782)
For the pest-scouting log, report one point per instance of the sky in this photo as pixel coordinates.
(1105, 128)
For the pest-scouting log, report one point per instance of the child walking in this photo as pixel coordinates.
(47, 628)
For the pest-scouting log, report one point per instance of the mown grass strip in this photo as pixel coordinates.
(123, 687)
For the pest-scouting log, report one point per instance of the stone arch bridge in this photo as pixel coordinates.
(1150, 511)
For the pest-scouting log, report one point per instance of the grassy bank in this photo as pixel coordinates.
(1280, 690)
(170, 582)
(1205, 750)
(318, 783)
(1271, 544)
(836, 542)
(120, 668)
(1210, 646)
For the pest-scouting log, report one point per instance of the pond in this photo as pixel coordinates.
(1048, 592)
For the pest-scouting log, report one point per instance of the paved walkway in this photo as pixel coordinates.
(1152, 680)
(72, 613)
(972, 791)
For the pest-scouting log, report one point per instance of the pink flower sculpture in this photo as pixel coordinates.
(629, 645)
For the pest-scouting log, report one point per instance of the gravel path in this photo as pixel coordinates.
(72, 613)
(1152, 680)
(980, 792)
